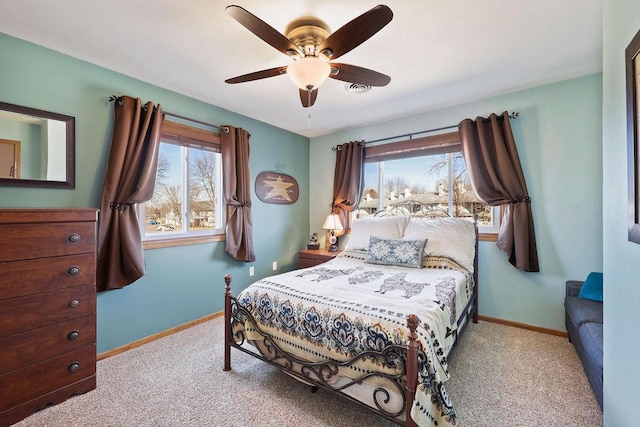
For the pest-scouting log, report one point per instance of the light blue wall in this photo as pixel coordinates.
(621, 258)
(558, 136)
(183, 283)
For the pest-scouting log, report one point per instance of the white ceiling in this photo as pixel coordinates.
(437, 52)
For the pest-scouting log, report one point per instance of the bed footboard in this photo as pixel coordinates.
(400, 363)
(227, 323)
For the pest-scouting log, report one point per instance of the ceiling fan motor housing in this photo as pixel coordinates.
(307, 33)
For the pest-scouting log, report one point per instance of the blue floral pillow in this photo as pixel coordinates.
(401, 253)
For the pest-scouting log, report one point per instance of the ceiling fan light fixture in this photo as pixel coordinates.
(309, 73)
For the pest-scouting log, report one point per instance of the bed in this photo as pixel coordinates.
(376, 324)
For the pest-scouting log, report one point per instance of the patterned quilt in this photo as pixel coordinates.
(346, 306)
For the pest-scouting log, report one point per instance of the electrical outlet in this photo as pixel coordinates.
(275, 265)
(251, 272)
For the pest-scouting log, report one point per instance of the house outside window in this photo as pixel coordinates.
(427, 178)
(187, 203)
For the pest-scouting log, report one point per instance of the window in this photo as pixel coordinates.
(187, 205)
(423, 177)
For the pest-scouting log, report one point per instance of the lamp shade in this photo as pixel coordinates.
(332, 223)
(309, 73)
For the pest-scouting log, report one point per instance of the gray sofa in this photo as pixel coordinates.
(583, 319)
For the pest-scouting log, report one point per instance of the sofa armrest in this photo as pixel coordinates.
(573, 287)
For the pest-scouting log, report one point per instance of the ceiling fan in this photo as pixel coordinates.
(311, 44)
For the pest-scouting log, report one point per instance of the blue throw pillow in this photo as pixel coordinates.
(400, 253)
(592, 287)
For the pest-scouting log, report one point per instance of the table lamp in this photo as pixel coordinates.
(333, 223)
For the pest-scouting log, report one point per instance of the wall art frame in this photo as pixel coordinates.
(632, 65)
(276, 188)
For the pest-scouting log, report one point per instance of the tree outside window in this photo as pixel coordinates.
(187, 199)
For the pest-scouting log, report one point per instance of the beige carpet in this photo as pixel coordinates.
(502, 376)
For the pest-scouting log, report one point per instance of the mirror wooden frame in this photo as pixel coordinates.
(632, 64)
(70, 123)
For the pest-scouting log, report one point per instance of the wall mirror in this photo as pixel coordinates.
(37, 148)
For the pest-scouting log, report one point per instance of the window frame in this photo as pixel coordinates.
(186, 136)
(443, 143)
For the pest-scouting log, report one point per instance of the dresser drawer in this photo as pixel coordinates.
(17, 413)
(28, 241)
(38, 310)
(32, 381)
(26, 277)
(35, 345)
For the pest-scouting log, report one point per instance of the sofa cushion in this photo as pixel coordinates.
(580, 310)
(592, 287)
(590, 353)
(591, 336)
(591, 333)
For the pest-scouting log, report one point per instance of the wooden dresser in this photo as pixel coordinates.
(47, 308)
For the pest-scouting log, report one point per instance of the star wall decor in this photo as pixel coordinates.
(276, 188)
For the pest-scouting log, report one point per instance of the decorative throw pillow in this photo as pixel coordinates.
(401, 253)
(592, 287)
(391, 227)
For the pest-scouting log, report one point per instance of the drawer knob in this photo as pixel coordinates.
(73, 238)
(74, 303)
(74, 367)
(73, 271)
(73, 335)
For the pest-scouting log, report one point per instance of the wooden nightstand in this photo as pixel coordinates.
(313, 257)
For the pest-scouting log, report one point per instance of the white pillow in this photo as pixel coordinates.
(362, 229)
(453, 238)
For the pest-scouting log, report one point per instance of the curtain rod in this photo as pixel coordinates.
(224, 129)
(512, 116)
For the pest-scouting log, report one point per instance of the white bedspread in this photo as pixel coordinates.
(346, 306)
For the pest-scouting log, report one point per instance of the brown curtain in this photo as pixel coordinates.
(129, 179)
(347, 180)
(237, 193)
(496, 175)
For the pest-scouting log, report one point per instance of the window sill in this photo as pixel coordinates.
(183, 241)
(488, 237)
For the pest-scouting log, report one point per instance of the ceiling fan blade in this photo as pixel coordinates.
(354, 74)
(263, 30)
(355, 32)
(308, 98)
(271, 72)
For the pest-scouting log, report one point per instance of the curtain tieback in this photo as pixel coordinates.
(520, 199)
(341, 205)
(119, 206)
(245, 203)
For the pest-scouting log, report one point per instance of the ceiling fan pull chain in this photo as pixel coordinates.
(309, 111)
